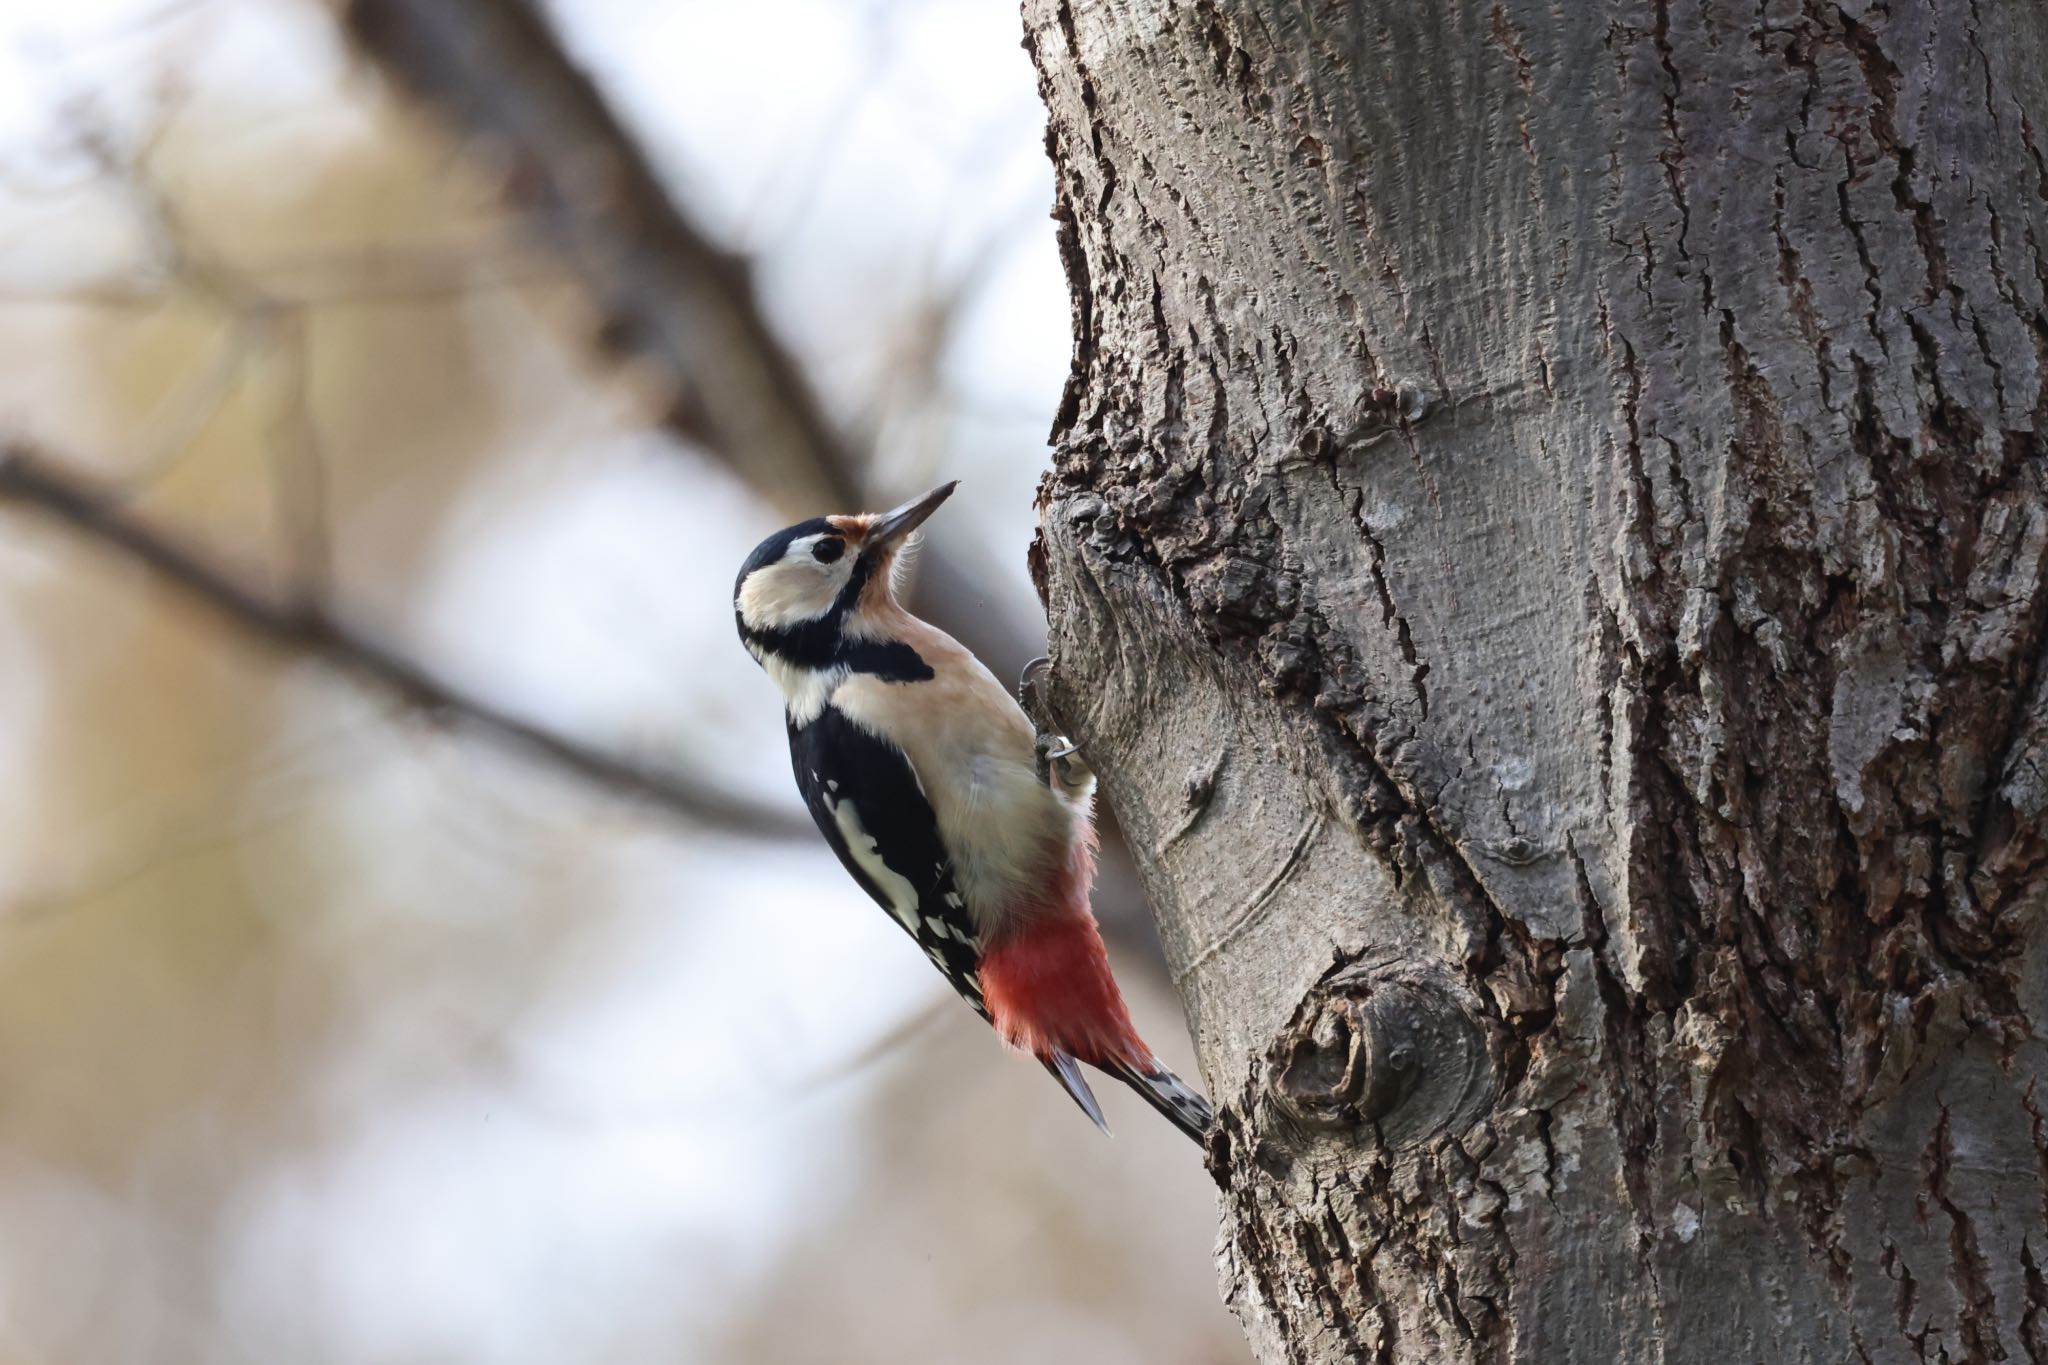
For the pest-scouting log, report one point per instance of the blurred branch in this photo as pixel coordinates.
(774, 1089)
(195, 839)
(306, 627)
(669, 297)
(120, 848)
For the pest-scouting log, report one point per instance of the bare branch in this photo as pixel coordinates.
(33, 483)
(670, 298)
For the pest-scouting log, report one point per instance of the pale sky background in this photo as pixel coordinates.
(558, 1154)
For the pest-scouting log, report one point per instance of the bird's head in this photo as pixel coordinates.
(803, 587)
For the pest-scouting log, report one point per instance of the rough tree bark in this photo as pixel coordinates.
(1546, 549)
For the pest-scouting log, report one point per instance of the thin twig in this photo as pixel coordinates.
(33, 483)
(142, 845)
(299, 477)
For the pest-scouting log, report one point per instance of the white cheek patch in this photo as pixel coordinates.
(867, 855)
(791, 591)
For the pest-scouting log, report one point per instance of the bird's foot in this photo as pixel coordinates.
(1060, 764)
(1031, 685)
(1059, 759)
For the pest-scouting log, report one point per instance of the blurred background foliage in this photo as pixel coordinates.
(410, 948)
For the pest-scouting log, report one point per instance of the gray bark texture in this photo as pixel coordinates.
(1546, 552)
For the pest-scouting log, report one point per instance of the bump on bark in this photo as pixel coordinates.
(1393, 1058)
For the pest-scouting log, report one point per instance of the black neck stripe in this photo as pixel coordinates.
(821, 643)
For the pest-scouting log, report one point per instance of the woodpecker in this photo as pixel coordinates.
(941, 799)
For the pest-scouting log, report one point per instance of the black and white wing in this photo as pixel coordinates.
(867, 802)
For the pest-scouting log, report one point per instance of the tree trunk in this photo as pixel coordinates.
(1546, 551)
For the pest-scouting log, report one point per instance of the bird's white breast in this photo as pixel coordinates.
(971, 748)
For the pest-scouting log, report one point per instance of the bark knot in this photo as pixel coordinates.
(1402, 1055)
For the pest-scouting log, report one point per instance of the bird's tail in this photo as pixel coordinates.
(1067, 1072)
(1183, 1106)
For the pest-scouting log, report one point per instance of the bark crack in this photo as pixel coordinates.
(1978, 1317)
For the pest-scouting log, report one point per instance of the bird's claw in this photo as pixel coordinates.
(1042, 749)
(1072, 774)
(1031, 691)
(1061, 766)
(1059, 760)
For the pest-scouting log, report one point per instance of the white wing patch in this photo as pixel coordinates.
(867, 854)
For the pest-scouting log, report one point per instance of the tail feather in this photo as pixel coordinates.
(1183, 1106)
(1067, 1072)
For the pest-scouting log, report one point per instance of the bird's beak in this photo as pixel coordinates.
(892, 526)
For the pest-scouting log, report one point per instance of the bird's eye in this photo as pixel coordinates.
(825, 551)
